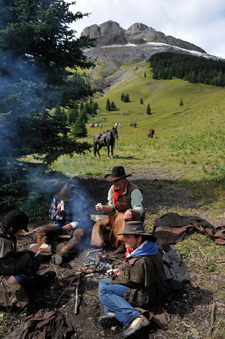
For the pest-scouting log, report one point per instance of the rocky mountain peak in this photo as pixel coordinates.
(106, 29)
(111, 33)
(136, 28)
(115, 46)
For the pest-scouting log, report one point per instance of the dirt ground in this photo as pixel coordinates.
(192, 312)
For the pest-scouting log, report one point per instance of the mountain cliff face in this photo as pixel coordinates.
(110, 33)
(116, 46)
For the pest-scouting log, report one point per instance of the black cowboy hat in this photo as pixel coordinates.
(17, 220)
(117, 173)
(66, 191)
(135, 228)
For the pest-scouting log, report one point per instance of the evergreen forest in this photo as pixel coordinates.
(194, 69)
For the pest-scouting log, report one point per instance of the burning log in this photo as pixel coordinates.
(89, 271)
(86, 271)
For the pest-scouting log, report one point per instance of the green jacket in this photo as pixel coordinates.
(145, 278)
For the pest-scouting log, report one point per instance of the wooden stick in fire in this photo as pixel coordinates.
(76, 297)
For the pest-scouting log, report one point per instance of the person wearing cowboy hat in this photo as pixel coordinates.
(123, 197)
(139, 283)
(68, 210)
(18, 269)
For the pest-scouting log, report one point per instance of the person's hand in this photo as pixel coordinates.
(34, 248)
(68, 227)
(116, 272)
(59, 207)
(127, 215)
(98, 207)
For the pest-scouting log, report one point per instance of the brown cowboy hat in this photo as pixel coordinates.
(66, 191)
(135, 228)
(118, 172)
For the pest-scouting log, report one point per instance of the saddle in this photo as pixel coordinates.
(101, 138)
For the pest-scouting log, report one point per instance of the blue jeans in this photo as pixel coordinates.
(111, 296)
(23, 280)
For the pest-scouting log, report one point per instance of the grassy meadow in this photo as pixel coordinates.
(188, 145)
(187, 155)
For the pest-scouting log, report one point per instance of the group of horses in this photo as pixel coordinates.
(117, 124)
(95, 125)
(108, 139)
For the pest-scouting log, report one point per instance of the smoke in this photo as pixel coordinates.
(25, 94)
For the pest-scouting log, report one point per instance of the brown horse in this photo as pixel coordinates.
(151, 133)
(134, 124)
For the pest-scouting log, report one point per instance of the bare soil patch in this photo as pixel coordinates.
(193, 312)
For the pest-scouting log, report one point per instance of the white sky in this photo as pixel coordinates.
(201, 22)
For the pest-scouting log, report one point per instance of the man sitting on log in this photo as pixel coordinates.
(69, 211)
(125, 203)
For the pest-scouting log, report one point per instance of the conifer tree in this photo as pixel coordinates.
(113, 106)
(95, 106)
(72, 115)
(141, 101)
(79, 128)
(148, 110)
(127, 98)
(108, 106)
(38, 54)
(61, 120)
(81, 106)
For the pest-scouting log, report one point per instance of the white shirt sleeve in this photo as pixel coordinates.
(74, 224)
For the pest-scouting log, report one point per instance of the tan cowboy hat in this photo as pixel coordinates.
(135, 228)
(66, 191)
(118, 172)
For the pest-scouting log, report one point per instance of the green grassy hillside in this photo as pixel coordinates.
(189, 140)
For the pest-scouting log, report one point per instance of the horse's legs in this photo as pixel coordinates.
(97, 149)
(108, 150)
(111, 151)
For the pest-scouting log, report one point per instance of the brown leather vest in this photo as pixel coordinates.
(124, 201)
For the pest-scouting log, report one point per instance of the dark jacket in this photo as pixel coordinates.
(14, 263)
(145, 278)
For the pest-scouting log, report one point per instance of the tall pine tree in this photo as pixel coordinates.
(38, 51)
(148, 111)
